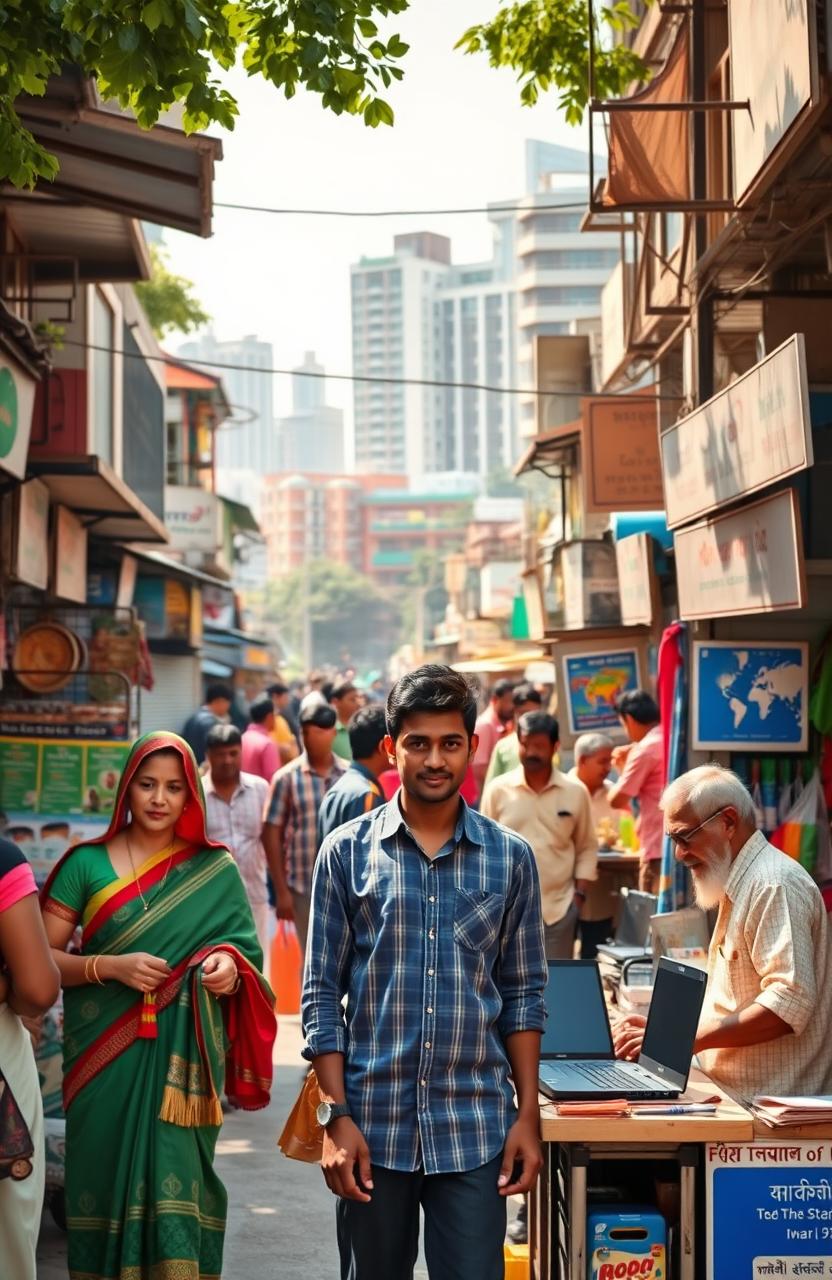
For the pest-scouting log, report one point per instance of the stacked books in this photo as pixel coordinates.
(778, 1112)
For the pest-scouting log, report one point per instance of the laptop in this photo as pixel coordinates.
(577, 1057)
(633, 927)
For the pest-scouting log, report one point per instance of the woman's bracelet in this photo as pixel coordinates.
(100, 981)
(92, 962)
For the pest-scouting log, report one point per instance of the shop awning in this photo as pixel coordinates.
(175, 568)
(553, 452)
(70, 244)
(494, 664)
(242, 517)
(100, 498)
(161, 175)
(216, 669)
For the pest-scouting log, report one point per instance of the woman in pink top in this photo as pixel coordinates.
(29, 984)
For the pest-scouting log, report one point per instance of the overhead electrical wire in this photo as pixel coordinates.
(439, 383)
(398, 213)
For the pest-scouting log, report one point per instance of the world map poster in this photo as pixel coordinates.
(748, 697)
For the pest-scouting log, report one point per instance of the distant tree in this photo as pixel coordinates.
(547, 43)
(150, 54)
(168, 299)
(347, 612)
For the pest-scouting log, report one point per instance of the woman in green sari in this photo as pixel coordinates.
(164, 1009)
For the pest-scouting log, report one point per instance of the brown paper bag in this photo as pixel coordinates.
(302, 1137)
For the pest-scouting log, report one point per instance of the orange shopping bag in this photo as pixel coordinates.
(285, 968)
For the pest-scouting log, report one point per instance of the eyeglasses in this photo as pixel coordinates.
(682, 839)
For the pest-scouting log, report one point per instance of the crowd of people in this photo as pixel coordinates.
(433, 858)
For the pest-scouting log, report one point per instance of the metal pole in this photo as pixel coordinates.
(704, 314)
(591, 93)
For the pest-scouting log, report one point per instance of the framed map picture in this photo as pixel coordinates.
(750, 697)
(592, 683)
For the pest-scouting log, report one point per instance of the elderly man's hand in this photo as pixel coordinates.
(628, 1035)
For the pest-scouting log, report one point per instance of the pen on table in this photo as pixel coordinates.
(676, 1109)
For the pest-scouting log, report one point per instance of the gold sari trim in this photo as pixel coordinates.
(189, 1110)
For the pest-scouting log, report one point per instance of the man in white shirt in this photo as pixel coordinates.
(593, 761)
(766, 1024)
(235, 803)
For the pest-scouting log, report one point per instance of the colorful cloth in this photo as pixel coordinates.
(260, 755)
(642, 779)
(441, 959)
(297, 793)
(16, 877)
(143, 1111)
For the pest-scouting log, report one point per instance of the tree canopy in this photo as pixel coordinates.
(349, 614)
(168, 299)
(150, 54)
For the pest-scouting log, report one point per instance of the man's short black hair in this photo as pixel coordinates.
(501, 688)
(366, 728)
(526, 693)
(326, 689)
(277, 689)
(639, 704)
(261, 708)
(431, 688)
(215, 691)
(223, 735)
(340, 690)
(539, 722)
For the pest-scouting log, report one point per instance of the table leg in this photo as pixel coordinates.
(577, 1214)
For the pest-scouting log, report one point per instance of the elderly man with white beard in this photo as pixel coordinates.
(766, 1024)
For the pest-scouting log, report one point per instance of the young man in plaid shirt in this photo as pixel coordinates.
(427, 917)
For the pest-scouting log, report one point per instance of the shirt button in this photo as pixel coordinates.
(423, 1083)
(427, 1044)
(430, 973)
(431, 934)
(431, 899)
(429, 1010)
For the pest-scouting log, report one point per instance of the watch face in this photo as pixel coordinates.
(323, 1113)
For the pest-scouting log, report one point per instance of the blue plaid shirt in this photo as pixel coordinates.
(441, 960)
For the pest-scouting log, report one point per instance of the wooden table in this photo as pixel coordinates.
(557, 1219)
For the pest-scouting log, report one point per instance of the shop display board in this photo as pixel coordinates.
(750, 697)
(591, 684)
(56, 793)
(769, 1209)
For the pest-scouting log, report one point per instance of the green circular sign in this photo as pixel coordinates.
(8, 412)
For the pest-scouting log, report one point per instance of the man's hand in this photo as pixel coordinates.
(628, 1035)
(344, 1148)
(619, 756)
(523, 1148)
(285, 904)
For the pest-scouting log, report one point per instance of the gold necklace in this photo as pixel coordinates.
(136, 879)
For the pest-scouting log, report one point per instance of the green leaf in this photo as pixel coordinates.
(128, 38)
(156, 14)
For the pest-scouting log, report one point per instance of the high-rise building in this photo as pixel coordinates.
(416, 315)
(311, 438)
(248, 442)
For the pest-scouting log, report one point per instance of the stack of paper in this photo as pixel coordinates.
(792, 1111)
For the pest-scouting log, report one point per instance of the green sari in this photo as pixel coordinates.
(143, 1076)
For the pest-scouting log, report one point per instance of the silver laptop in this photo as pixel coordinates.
(633, 932)
(577, 1058)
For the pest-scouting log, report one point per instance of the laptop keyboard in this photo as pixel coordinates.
(607, 1076)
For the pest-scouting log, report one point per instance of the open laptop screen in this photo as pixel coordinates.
(577, 1025)
(674, 1015)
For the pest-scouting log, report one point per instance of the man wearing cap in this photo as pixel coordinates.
(290, 829)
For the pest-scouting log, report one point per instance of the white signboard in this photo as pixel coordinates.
(192, 517)
(769, 1209)
(17, 401)
(772, 68)
(753, 433)
(636, 579)
(749, 561)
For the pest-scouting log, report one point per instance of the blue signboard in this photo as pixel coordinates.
(770, 1210)
(750, 697)
(593, 682)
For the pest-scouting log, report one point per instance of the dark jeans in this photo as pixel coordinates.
(465, 1224)
(591, 932)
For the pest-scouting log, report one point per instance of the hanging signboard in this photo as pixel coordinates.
(193, 518)
(25, 532)
(774, 67)
(749, 436)
(746, 562)
(592, 683)
(769, 1209)
(637, 585)
(69, 564)
(620, 454)
(17, 401)
(750, 697)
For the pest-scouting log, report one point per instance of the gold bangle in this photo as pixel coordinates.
(95, 961)
(87, 963)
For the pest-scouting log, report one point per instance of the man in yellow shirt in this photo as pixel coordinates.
(287, 743)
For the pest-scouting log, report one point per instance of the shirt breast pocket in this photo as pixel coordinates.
(478, 917)
(727, 974)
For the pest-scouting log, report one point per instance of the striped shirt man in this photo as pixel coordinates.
(293, 807)
(441, 960)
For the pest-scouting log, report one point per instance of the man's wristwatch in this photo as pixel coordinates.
(329, 1111)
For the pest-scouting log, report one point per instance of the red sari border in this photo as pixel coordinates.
(130, 892)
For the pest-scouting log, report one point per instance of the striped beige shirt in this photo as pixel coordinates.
(771, 946)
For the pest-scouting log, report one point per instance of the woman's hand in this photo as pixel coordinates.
(219, 974)
(627, 1036)
(137, 969)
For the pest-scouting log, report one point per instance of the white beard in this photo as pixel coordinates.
(709, 889)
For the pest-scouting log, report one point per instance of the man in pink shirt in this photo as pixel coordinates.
(495, 722)
(260, 751)
(641, 766)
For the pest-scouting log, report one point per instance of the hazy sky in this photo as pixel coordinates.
(458, 140)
